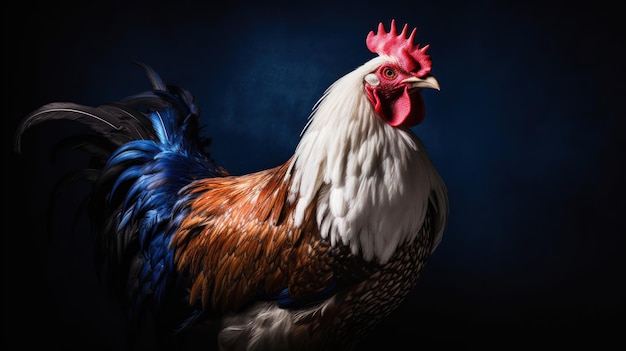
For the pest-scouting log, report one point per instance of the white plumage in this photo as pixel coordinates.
(367, 177)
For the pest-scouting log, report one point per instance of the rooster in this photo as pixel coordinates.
(309, 255)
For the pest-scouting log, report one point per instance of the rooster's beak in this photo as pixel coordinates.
(427, 81)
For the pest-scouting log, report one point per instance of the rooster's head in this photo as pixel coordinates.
(394, 87)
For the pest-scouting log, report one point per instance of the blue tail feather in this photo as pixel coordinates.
(148, 147)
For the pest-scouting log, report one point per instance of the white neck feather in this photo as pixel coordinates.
(373, 181)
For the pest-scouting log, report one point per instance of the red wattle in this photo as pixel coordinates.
(407, 109)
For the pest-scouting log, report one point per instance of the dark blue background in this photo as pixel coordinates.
(527, 131)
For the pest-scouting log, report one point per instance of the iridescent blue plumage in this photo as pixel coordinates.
(161, 167)
(149, 148)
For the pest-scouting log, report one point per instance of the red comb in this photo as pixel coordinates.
(411, 56)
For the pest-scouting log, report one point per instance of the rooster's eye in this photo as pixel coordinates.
(389, 72)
